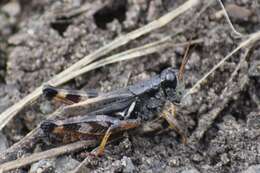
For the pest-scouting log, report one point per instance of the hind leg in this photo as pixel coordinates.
(67, 96)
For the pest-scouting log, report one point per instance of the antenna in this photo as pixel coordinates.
(184, 62)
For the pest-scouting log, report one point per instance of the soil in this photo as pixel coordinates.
(39, 39)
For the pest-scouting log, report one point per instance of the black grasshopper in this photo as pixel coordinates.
(98, 115)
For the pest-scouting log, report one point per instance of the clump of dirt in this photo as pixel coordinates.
(41, 38)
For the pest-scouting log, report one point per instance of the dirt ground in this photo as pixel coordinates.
(39, 40)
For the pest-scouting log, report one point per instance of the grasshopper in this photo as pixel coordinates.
(100, 115)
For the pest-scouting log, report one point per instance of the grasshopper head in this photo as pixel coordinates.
(171, 85)
(169, 78)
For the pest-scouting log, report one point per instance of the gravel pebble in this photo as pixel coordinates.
(3, 142)
(42, 166)
(65, 164)
(128, 165)
(252, 169)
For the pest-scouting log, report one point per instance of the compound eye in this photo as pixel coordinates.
(169, 79)
(49, 92)
(170, 76)
(47, 126)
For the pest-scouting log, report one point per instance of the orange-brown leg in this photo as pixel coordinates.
(169, 114)
(120, 126)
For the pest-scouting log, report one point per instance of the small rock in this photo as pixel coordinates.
(253, 121)
(8, 95)
(187, 101)
(252, 169)
(17, 39)
(236, 12)
(3, 142)
(175, 162)
(239, 12)
(4, 102)
(42, 166)
(192, 170)
(59, 165)
(254, 70)
(194, 59)
(197, 157)
(12, 8)
(128, 165)
(224, 158)
(180, 51)
(65, 164)
(46, 107)
(117, 166)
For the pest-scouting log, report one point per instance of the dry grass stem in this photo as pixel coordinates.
(242, 60)
(228, 20)
(250, 40)
(45, 154)
(128, 55)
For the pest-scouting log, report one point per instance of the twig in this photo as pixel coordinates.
(46, 154)
(230, 91)
(8, 114)
(242, 60)
(228, 20)
(252, 39)
(80, 166)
